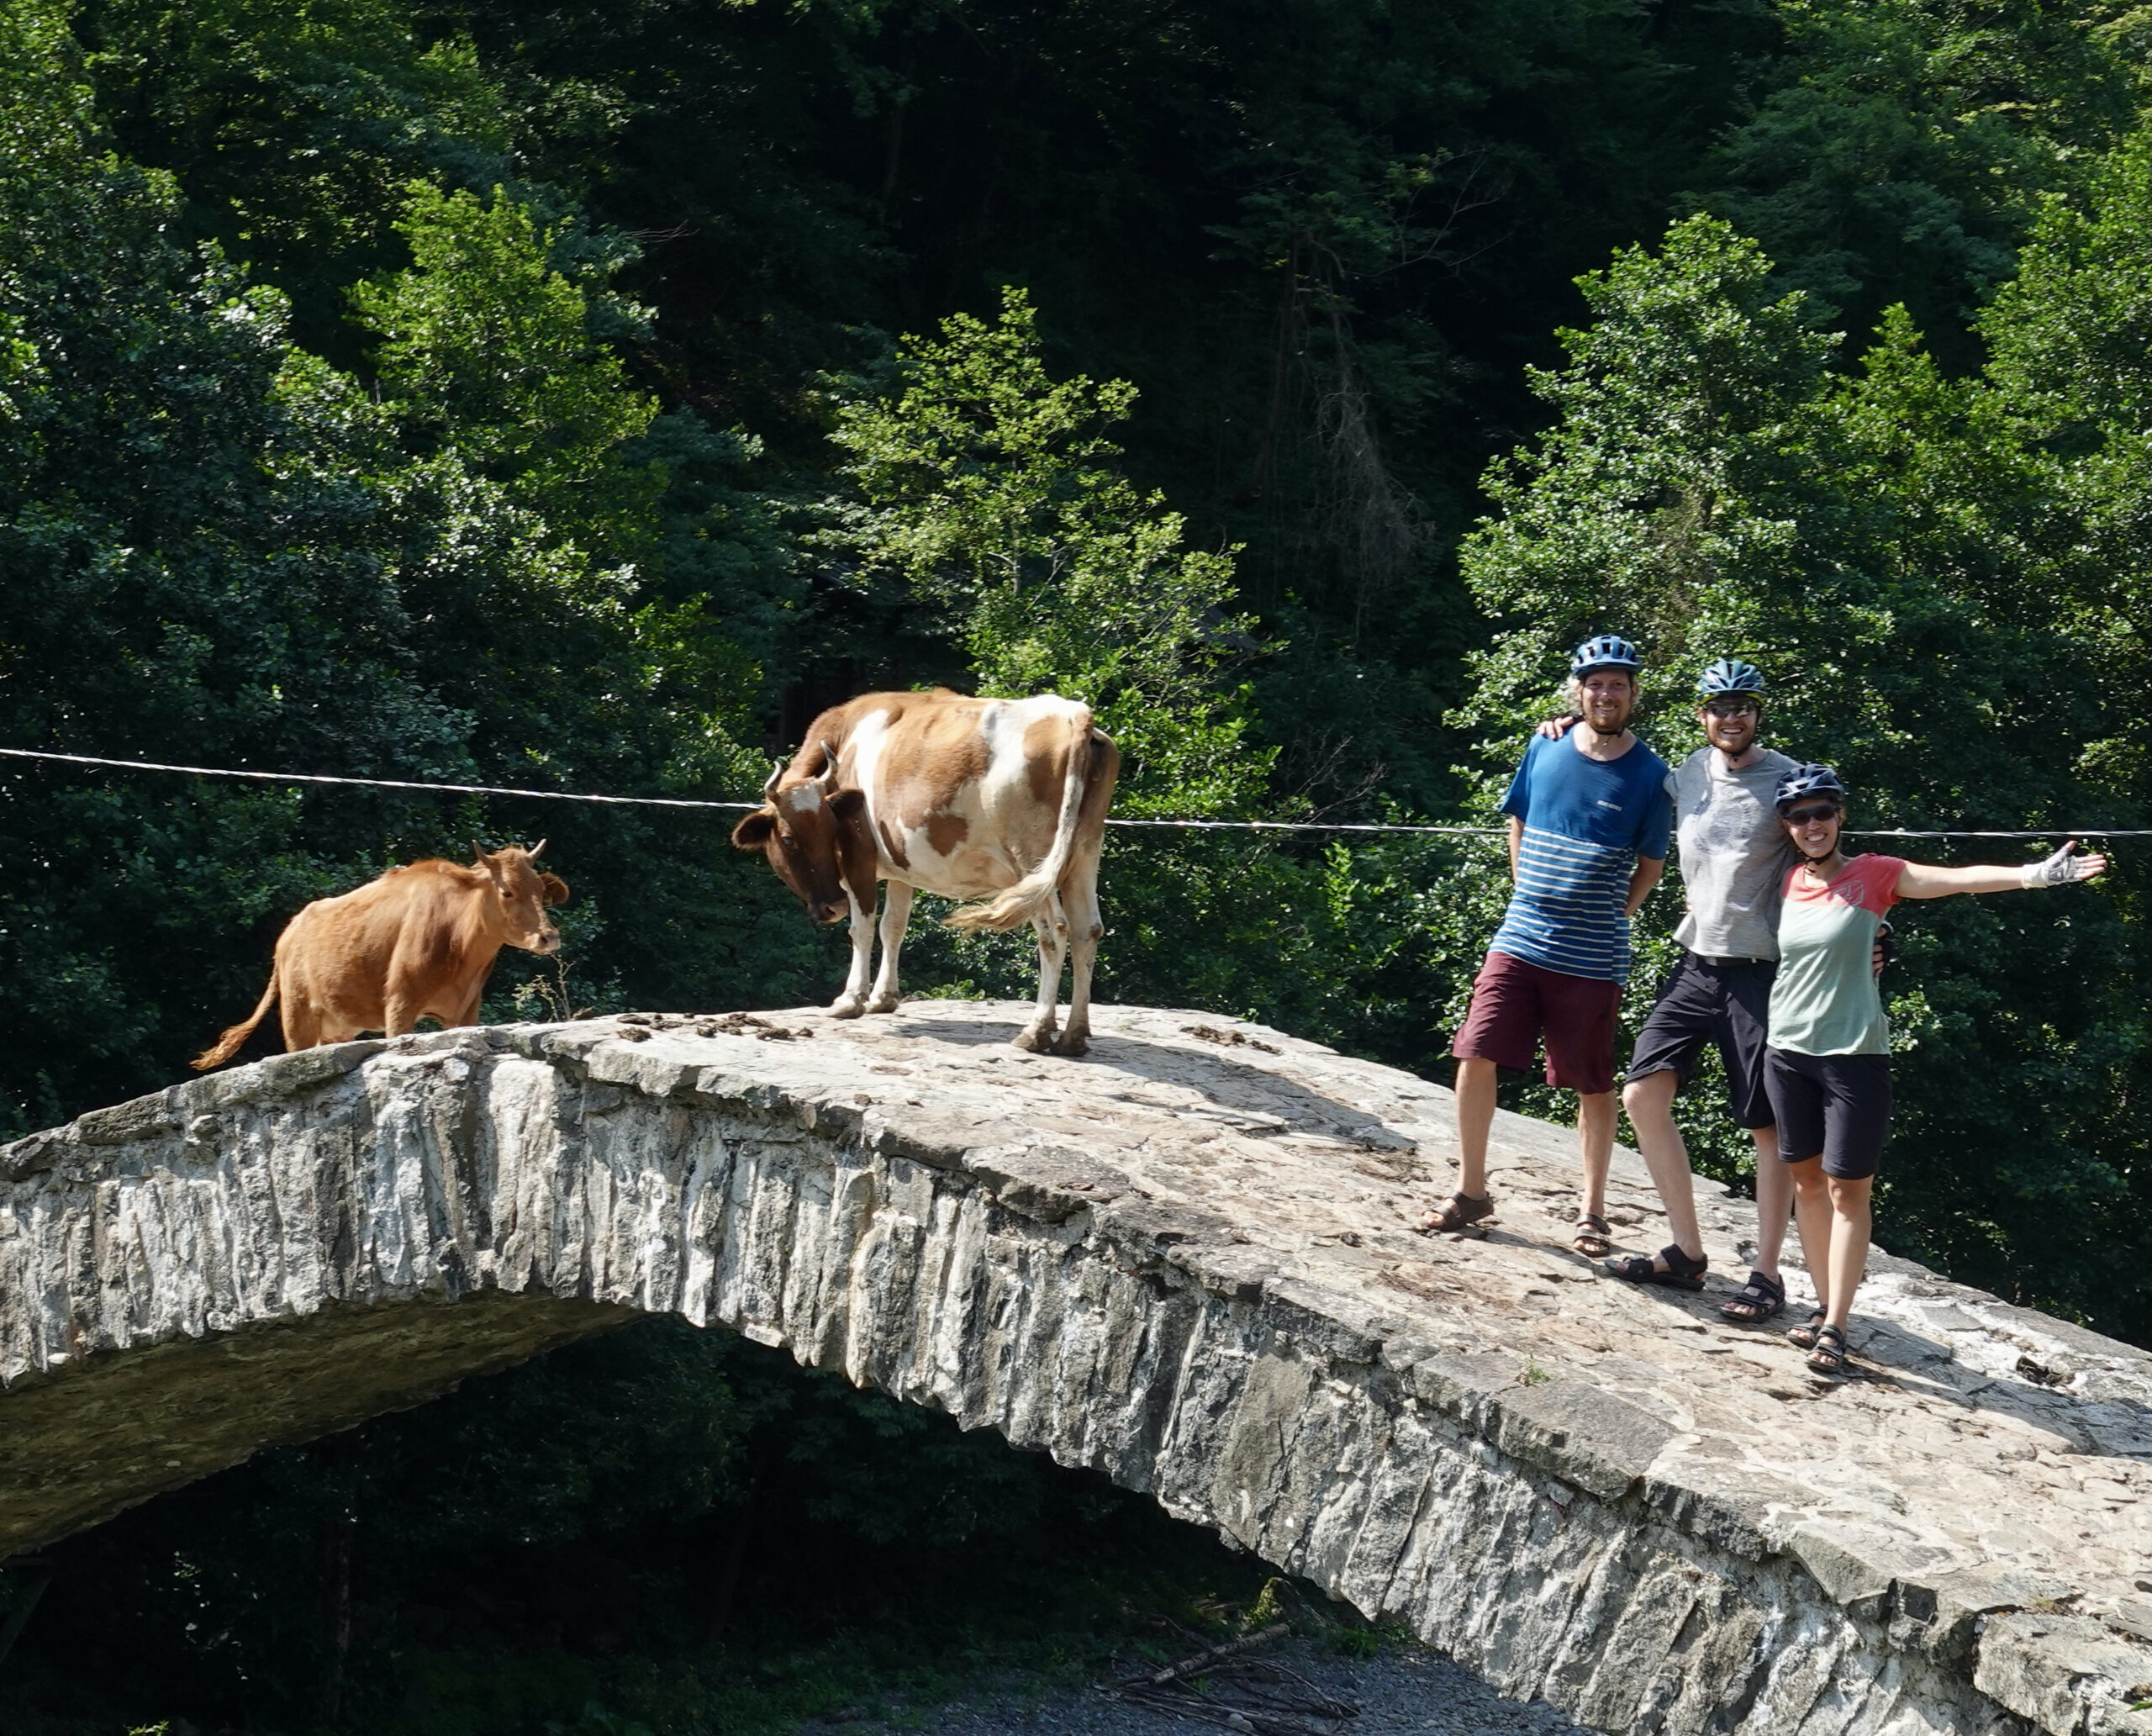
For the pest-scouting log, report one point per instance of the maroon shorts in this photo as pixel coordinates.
(1514, 1002)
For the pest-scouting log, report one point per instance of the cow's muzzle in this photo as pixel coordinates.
(829, 912)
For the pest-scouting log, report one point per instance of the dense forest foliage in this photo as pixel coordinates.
(578, 397)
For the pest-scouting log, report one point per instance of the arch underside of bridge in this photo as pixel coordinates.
(1183, 1261)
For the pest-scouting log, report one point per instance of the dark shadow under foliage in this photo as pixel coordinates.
(665, 1529)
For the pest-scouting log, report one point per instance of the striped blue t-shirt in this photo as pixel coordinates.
(1585, 823)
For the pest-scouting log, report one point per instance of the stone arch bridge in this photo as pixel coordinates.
(1186, 1261)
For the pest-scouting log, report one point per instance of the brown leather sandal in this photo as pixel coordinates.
(1594, 1235)
(1460, 1211)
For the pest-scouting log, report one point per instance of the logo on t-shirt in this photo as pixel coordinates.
(1603, 803)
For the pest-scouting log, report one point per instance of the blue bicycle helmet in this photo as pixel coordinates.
(1606, 651)
(1806, 781)
(1730, 675)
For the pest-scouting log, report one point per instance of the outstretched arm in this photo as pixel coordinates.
(1642, 878)
(1922, 880)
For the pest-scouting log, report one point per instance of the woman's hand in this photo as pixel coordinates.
(2063, 868)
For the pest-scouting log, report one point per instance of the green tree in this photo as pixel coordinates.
(994, 491)
(293, 128)
(1901, 147)
(191, 566)
(487, 351)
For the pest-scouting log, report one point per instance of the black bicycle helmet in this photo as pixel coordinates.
(1730, 675)
(1605, 652)
(1806, 781)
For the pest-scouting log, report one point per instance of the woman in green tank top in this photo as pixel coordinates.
(1828, 1068)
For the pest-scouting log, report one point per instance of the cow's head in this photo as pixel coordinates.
(520, 894)
(810, 831)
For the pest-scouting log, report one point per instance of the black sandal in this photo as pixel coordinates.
(1804, 1335)
(1591, 1235)
(1758, 1301)
(1828, 1356)
(1681, 1272)
(1459, 1212)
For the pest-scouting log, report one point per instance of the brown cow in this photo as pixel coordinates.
(999, 800)
(420, 940)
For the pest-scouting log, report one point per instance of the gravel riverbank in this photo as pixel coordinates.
(1396, 1691)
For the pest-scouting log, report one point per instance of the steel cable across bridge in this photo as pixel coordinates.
(661, 801)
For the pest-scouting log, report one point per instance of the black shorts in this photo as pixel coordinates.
(1704, 1003)
(1836, 1106)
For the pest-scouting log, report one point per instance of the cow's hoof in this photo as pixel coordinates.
(847, 1008)
(1038, 1042)
(1074, 1042)
(884, 1003)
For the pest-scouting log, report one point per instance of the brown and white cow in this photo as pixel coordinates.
(420, 940)
(999, 802)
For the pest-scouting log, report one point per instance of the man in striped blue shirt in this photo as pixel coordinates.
(1589, 820)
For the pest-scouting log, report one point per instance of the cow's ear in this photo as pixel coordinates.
(848, 804)
(754, 831)
(555, 889)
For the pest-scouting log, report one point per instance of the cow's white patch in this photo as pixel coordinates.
(804, 798)
(864, 749)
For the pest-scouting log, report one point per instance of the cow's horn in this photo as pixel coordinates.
(769, 788)
(478, 850)
(537, 849)
(830, 766)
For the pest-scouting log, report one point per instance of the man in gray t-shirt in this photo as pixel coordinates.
(1734, 857)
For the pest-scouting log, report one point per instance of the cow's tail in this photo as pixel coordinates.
(227, 1044)
(1019, 904)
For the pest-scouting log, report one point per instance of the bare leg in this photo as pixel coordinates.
(853, 1002)
(1595, 1145)
(1475, 1119)
(896, 912)
(1812, 1216)
(1774, 1199)
(1852, 1224)
(1038, 1035)
(1650, 1103)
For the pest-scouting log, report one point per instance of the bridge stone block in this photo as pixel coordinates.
(1186, 1261)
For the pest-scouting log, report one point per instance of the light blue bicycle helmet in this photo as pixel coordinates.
(1605, 652)
(1807, 781)
(1730, 675)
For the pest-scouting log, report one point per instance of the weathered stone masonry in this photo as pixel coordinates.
(1183, 1261)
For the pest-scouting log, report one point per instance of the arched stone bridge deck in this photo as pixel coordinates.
(1186, 1261)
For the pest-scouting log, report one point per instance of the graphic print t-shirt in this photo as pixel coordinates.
(1585, 823)
(1734, 853)
(1824, 1001)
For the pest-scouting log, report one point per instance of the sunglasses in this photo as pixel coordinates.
(1732, 708)
(1808, 816)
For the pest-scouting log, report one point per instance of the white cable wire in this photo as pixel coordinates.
(666, 801)
(544, 795)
